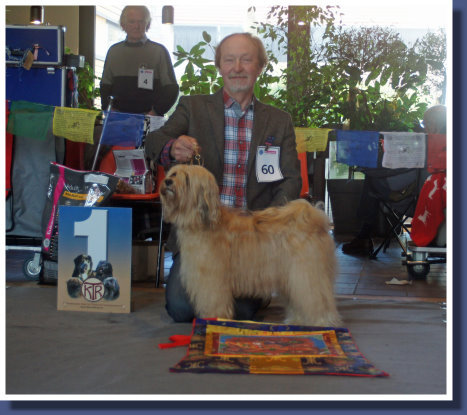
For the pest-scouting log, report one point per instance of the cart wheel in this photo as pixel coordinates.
(31, 269)
(419, 271)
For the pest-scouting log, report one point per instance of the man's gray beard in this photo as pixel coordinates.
(239, 88)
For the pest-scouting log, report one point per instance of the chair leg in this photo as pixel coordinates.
(374, 253)
(386, 245)
(398, 221)
(159, 252)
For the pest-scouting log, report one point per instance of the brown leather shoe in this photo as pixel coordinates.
(358, 246)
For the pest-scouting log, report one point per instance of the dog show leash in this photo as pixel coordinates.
(197, 158)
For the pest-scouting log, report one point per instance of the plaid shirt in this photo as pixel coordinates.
(165, 158)
(237, 132)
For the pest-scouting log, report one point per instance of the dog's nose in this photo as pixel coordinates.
(168, 182)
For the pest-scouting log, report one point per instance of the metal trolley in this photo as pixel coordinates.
(418, 259)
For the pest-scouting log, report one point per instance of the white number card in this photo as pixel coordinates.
(267, 164)
(145, 78)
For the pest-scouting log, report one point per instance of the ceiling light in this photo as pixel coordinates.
(167, 15)
(36, 15)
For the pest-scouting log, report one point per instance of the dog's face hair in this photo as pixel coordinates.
(111, 288)
(103, 270)
(83, 267)
(190, 197)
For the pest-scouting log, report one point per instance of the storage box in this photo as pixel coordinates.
(144, 261)
(41, 85)
(47, 43)
(131, 167)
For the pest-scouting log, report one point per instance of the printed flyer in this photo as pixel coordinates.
(94, 259)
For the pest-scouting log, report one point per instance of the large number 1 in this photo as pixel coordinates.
(95, 229)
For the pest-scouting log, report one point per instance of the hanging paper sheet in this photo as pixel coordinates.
(311, 139)
(404, 150)
(357, 148)
(155, 122)
(28, 119)
(436, 153)
(123, 129)
(75, 124)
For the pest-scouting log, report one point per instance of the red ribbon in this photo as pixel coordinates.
(176, 340)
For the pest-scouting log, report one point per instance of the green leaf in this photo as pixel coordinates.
(386, 74)
(189, 70)
(206, 37)
(373, 75)
(196, 49)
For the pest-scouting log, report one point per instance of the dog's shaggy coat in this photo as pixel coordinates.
(83, 267)
(227, 253)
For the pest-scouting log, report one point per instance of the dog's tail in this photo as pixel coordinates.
(298, 212)
(309, 217)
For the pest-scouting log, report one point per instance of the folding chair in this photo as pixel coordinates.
(396, 192)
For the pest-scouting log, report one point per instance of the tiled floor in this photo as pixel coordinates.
(358, 277)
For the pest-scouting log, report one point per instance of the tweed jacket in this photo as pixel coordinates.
(202, 117)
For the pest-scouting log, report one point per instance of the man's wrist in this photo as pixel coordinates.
(166, 156)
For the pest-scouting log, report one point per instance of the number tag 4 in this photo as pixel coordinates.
(267, 164)
(145, 78)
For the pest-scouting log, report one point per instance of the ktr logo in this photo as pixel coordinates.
(93, 289)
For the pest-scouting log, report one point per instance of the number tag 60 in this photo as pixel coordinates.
(267, 164)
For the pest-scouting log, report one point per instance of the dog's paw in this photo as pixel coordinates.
(111, 288)
(73, 286)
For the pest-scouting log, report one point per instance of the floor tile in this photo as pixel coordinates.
(357, 275)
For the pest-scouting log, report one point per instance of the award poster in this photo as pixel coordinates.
(94, 259)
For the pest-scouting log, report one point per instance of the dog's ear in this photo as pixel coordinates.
(75, 270)
(209, 203)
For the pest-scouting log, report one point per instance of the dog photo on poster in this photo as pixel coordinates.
(94, 259)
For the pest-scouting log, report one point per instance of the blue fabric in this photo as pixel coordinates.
(123, 129)
(357, 148)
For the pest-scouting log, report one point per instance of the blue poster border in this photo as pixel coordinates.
(330, 408)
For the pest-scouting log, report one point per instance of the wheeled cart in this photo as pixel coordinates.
(418, 259)
(32, 265)
(45, 82)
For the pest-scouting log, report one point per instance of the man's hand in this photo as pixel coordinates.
(184, 148)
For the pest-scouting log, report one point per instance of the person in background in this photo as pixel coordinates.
(138, 72)
(229, 129)
(429, 220)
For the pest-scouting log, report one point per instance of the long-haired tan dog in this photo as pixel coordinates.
(226, 253)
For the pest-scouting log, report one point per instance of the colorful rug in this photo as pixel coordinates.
(227, 346)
